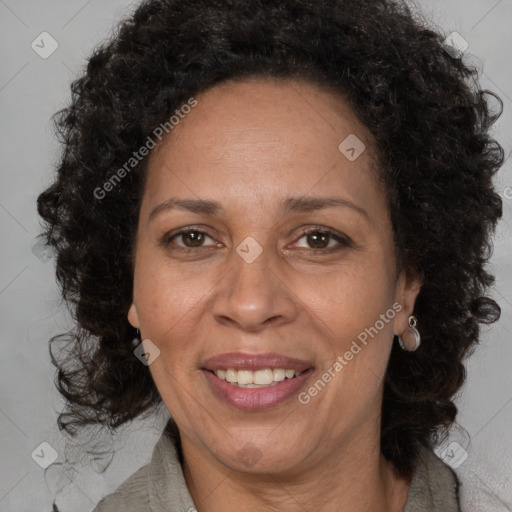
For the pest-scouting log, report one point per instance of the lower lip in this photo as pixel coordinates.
(256, 398)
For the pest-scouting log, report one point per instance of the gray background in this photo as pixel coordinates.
(31, 90)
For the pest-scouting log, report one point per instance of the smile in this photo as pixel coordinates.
(256, 379)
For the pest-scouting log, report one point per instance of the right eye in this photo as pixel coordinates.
(191, 239)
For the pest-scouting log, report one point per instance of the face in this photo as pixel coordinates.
(244, 270)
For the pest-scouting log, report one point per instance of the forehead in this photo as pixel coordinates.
(264, 138)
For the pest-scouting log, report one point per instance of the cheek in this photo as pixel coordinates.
(347, 311)
(168, 301)
(351, 298)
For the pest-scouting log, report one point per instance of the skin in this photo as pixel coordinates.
(248, 145)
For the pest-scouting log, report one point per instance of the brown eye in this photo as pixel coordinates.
(193, 238)
(318, 240)
(187, 239)
(323, 239)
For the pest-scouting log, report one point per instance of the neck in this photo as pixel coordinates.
(354, 477)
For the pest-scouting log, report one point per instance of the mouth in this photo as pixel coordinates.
(255, 381)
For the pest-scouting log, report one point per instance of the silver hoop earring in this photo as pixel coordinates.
(411, 339)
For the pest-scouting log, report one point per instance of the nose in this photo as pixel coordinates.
(253, 295)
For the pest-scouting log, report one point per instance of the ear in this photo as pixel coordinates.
(408, 286)
(133, 316)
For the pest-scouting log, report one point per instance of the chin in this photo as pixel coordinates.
(264, 457)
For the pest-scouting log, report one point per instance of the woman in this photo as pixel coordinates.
(274, 219)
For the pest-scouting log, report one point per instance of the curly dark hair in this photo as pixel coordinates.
(430, 120)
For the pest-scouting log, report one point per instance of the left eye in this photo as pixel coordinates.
(320, 239)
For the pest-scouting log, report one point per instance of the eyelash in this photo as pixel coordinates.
(341, 239)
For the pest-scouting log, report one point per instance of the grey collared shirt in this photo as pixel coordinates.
(160, 486)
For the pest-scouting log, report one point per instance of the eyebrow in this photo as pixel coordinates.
(289, 205)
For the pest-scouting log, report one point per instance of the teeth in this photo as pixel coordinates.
(245, 377)
(279, 374)
(231, 375)
(255, 379)
(262, 377)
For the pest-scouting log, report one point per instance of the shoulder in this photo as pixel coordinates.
(159, 486)
(434, 487)
(130, 495)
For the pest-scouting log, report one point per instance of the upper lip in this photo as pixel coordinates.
(245, 361)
